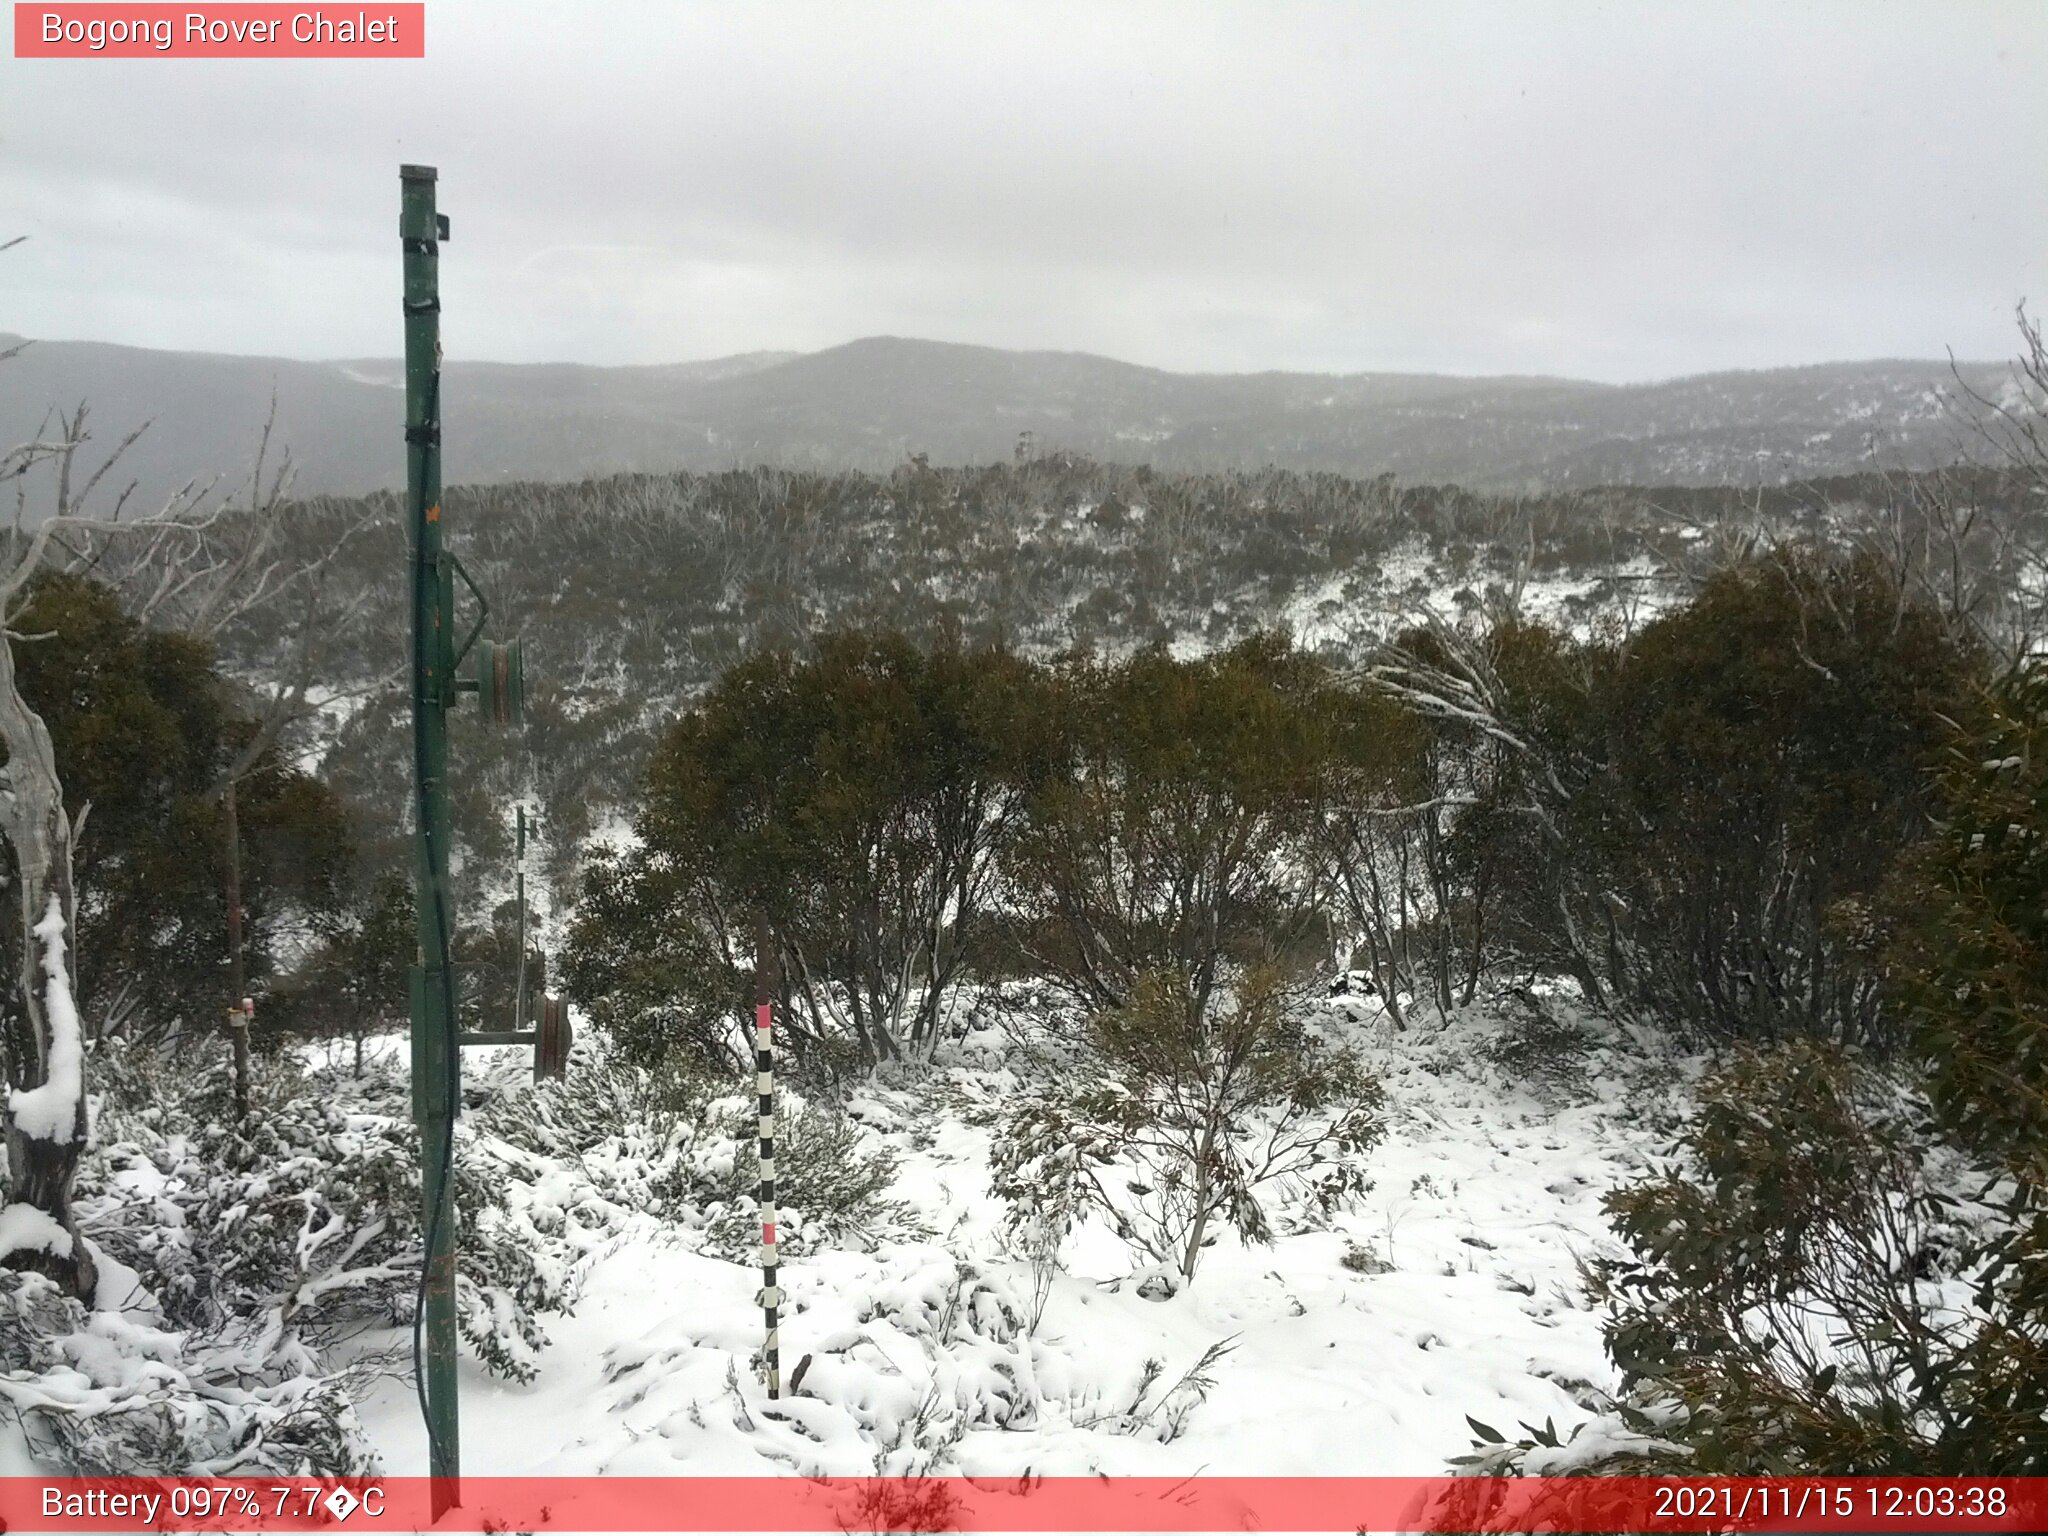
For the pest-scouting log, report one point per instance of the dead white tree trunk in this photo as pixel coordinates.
(42, 1052)
(42, 1046)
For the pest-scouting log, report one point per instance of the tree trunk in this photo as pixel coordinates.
(1191, 1254)
(41, 1159)
(40, 1174)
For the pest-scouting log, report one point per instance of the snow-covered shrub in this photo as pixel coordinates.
(830, 1188)
(1804, 1294)
(607, 1096)
(1362, 1258)
(1538, 1046)
(971, 1329)
(1170, 1120)
(1622, 1438)
(105, 1393)
(303, 1220)
(1164, 1417)
(1553, 1481)
(605, 1140)
(655, 1140)
(1036, 1236)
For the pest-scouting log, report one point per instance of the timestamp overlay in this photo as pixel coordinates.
(1031, 1503)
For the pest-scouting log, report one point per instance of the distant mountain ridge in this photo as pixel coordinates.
(872, 403)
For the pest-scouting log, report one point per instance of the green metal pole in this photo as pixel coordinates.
(434, 1054)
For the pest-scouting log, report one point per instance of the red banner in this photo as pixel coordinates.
(1061, 1504)
(115, 31)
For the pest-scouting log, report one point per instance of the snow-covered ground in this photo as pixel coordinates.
(1355, 1349)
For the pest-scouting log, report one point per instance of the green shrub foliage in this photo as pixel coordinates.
(1684, 819)
(855, 798)
(1169, 820)
(143, 727)
(1821, 1284)
(1806, 1290)
(1969, 948)
(355, 984)
(1969, 959)
(1768, 757)
(1678, 817)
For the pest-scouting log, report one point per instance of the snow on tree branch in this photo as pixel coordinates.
(52, 1110)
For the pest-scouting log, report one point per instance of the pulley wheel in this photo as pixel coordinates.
(500, 682)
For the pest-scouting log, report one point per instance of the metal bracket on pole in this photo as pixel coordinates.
(483, 612)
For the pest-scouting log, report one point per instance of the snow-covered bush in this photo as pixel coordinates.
(1542, 1480)
(982, 1372)
(607, 1096)
(830, 1189)
(1807, 1289)
(302, 1221)
(1169, 1120)
(658, 1141)
(1538, 1046)
(106, 1393)
(1622, 1438)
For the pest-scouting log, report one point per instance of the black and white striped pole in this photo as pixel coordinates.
(764, 1087)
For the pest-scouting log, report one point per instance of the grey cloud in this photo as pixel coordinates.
(1614, 191)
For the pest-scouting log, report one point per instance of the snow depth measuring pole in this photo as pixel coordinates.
(499, 684)
(764, 1086)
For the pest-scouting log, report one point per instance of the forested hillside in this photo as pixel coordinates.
(633, 593)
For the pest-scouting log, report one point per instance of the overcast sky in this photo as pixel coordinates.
(1618, 191)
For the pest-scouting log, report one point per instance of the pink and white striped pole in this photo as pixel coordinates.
(764, 1086)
